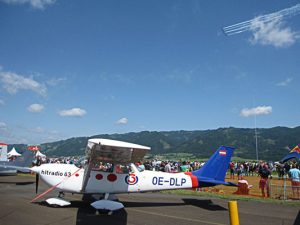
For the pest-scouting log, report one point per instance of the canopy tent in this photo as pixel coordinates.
(38, 153)
(13, 153)
(294, 153)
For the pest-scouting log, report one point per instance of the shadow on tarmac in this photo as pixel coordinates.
(297, 220)
(204, 204)
(86, 214)
(17, 182)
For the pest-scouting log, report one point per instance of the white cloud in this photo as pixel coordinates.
(5, 132)
(122, 121)
(20, 134)
(2, 102)
(286, 82)
(38, 130)
(12, 83)
(55, 81)
(3, 126)
(35, 108)
(36, 4)
(72, 112)
(260, 110)
(272, 33)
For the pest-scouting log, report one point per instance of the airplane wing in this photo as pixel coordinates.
(111, 151)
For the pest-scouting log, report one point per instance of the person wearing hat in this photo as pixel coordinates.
(264, 174)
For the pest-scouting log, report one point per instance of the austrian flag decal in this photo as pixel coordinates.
(222, 152)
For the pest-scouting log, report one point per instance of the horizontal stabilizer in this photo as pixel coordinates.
(58, 201)
(204, 182)
(22, 163)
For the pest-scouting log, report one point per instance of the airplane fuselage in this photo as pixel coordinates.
(70, 178)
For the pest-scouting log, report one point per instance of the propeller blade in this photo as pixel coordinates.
(37, 178)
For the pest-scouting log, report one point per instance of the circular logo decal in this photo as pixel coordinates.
(112, 177)
(99, 176)
(131, 179)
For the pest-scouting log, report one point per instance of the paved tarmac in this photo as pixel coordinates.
(140, 209)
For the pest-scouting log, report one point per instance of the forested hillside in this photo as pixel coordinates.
(273, 143)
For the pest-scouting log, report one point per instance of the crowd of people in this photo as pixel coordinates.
(265, 171)
(38, 160)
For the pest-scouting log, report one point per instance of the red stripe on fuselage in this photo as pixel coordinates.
(193, 178)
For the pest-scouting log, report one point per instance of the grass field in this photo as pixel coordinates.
(274, 183)
(221, 191)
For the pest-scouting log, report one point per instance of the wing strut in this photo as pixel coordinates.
(87, 173)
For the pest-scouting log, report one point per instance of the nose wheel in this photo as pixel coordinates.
(61, 194)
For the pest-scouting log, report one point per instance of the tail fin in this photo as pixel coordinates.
(25, 160)
(21, 164)
(214, 170)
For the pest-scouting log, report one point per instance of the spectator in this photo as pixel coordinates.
(264, 174)
(140, 166)
(231, 166)
(168, 168)
(184, 167)
(294, 174)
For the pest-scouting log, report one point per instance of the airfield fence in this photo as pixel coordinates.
(283, 191)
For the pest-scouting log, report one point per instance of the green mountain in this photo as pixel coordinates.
(273, 143)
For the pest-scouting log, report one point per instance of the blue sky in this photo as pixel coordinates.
(81, 68)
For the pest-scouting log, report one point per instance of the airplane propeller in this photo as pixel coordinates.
(36, 170)
(37, 178)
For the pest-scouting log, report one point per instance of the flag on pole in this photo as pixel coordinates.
(294, 153)
(33, 148)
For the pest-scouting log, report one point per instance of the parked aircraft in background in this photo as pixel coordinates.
(20, 164)
(3, 161)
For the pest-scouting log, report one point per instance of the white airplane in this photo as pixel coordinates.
(123, 176)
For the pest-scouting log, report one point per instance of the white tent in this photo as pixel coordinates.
(38, 153)
(12, 153)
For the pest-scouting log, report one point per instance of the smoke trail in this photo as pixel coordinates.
(248, 25)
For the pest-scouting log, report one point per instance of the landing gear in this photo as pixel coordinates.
(61, 194)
